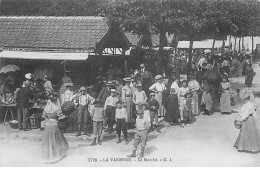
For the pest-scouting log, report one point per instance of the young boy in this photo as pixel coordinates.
(187, 110)
(142, 125)
(97, 113)
(154, 106)
(120, 122)
(110, 106)
(139, 96)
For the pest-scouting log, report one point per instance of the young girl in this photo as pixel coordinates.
(182, 92)
(187, 110)
(249, 75)
(225, 102)
(248, 139)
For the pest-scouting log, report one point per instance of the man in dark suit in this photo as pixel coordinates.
(23, 97)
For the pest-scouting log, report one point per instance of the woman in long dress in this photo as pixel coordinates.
(127, 98)
(172, 108)
(248, 139)
(225, 101)
(249, 75)
(54, 144)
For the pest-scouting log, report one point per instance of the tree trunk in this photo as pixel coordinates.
(212, 50)
(239, 44)
(235, 44)
(190, 58)
(229, 47)
(243, 45)
(252, 44)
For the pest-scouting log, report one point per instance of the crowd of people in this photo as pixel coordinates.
(140, 97)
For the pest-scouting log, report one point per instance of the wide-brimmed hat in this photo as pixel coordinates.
(28, 76)
(142, 65)
(144, 103)
(109, 83)
(152, 94)
(158, 77)
(68, 84)
(128, 79)
(113, 90)
(82, 89)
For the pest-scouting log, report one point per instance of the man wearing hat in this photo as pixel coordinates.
(105, 92)
(146, 78)
(110, 107)
(97, 87)
(68, 94)
(84, 101)
(24, 95)
(159, 88)
(139, 96)
(127, 97)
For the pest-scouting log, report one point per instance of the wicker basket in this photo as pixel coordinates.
(13, 125)
(238, 124)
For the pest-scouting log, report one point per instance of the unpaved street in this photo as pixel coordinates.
(207, 142)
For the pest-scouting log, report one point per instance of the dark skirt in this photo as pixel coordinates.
(249, 138)
(54, 144)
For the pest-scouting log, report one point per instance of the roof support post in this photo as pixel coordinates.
(125, 62)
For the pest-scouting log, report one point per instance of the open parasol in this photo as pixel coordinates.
(9, 68)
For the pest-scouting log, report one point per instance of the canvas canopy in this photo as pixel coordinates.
(43, 55)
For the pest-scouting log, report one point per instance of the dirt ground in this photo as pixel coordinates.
(207, 142)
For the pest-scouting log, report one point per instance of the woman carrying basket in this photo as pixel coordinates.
(249, 138)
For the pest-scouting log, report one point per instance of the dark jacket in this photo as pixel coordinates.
(23, 96)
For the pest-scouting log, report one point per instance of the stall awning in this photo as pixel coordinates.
(43, 55)
(200, 44)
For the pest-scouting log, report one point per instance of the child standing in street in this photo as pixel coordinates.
(97, 113)
(187, 111)
(120, 122)
(142, 125)
(139, 96)
(110, 106)
(206, 102)
(154, 106)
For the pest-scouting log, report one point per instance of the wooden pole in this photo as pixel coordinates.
(252, 44)
(190, 58)
(213, 44)
(239, 44)
(125, 62)
(235, 44)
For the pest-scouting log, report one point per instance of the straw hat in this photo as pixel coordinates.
(113, 90)
(82, 89)
(109, 83)
(158, 77)
(144, 103)
(68, 84)
(152, 94)
(28, 76)
(128, 79)
(142, 65)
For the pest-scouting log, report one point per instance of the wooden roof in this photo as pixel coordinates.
(47, 32)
